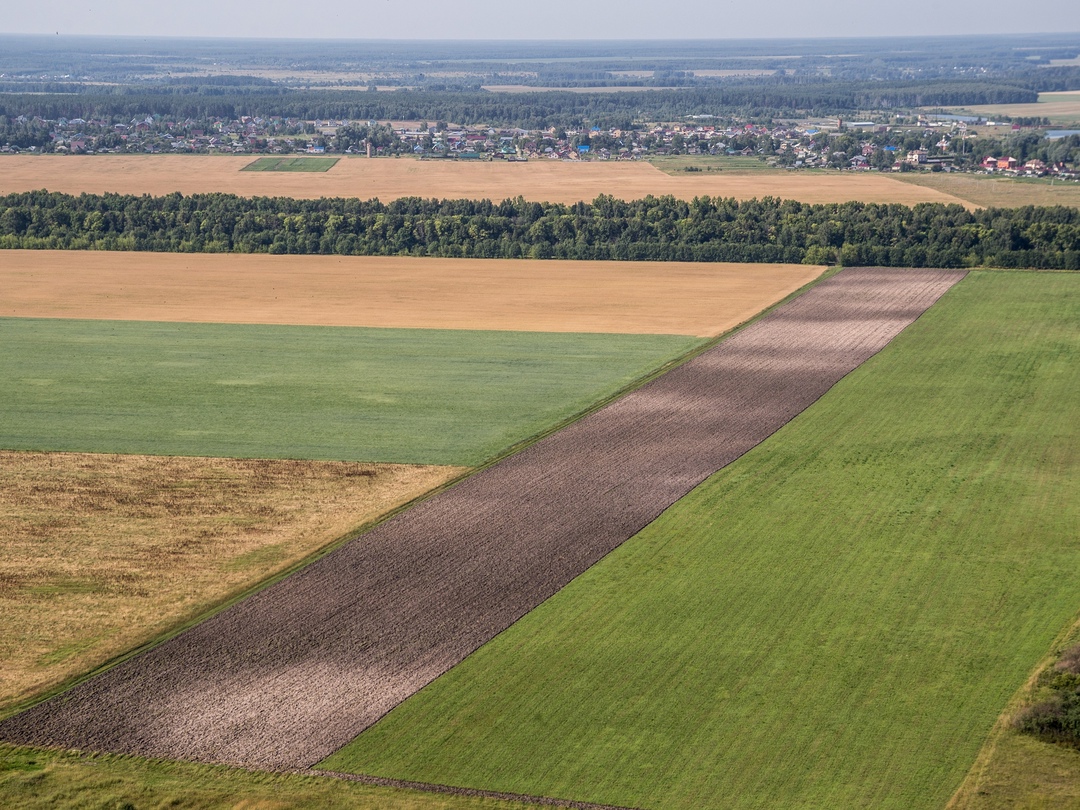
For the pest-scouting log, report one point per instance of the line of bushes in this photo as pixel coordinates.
(1056, 717)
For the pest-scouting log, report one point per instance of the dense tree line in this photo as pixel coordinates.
(664, 228)
(764, 97)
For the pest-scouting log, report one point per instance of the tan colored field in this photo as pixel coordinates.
(102, 552)
(1058, 111)
(599, 88)
(390, 178)
(998, 192)
(550, 296)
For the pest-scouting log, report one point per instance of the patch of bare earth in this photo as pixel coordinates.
(284, 678)
(392, 178)
(671, 298)
(99, 553)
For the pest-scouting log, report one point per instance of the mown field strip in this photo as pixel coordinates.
(834, 621)
(288, 676)
(389, 179)
(422, 396)
(656, 298)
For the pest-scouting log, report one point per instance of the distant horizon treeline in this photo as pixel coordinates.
(763, 98)
(653, 228)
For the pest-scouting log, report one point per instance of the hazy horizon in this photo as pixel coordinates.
(558, 20)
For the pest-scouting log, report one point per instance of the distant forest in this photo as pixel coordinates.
(119, 79)
(664, 228)
(763, 98)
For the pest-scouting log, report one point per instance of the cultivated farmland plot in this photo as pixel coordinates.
(299, 164)
(288, 676)
(389, 179)
(835, 620)
(100, 552)
(655, 298)
(422, 396)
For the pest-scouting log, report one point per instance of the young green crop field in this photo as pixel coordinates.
(273, 164)
(835, 620)
(352, 394)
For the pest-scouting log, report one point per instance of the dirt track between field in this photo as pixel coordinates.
(390, 178)
(667, 298)
(286, 677)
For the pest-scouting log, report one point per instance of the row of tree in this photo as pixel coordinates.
(652, 228)
(761, 97)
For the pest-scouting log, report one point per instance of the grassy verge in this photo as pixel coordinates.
(272, 164)
(415, 396)
(35, 780)
(836, 620)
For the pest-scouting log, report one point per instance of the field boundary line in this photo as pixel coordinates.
(432, 787)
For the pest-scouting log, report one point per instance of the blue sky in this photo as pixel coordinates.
(538, 19)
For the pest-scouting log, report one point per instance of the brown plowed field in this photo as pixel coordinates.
(284, 678)
(671, 298)
(391, 178)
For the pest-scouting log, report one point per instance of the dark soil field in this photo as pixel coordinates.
(286, 677)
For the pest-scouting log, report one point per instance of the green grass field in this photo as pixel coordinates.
(290, 164)
(420, 396)
(835, 620)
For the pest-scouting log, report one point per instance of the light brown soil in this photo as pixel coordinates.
(1058, 111)
(282, 679)
(998, 192)
(391, 178)
(547, 296)
(99, 553)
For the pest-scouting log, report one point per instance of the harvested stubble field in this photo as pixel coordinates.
(998, 192)
(836, 620)
(421, 396)
(99, 553)
(656, 298)
(1060, 110)
(292, 673)
(391, 178)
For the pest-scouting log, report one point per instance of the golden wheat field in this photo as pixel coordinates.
(386, 291)
(391, 178)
